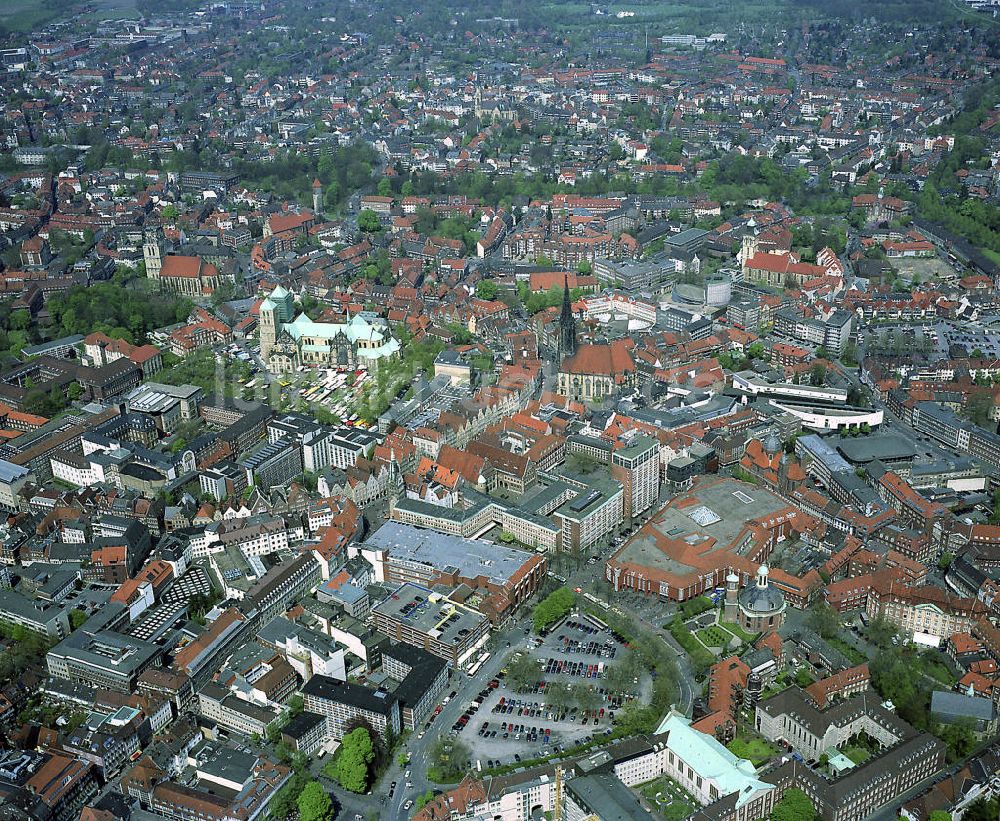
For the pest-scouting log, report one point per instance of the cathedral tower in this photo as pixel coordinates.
(152, 255)
(267, 327)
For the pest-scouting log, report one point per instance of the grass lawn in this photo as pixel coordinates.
(938, 670)
(802, 678)
(991, 254)
(853, 655)
(757, 750)
(738, 631)
(715, 636)
(859, 755)
(670, 799)
(696, 606)
(26, 15)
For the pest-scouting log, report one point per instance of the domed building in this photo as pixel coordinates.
(757, 608)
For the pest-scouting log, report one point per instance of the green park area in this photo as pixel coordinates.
(668, 798)
(715, 636)
(753, 748)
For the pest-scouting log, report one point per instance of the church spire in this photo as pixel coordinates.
(567, 324)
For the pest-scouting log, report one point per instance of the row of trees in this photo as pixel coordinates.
(552, 608)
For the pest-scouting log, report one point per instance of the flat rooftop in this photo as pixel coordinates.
(886, 447)
(430, 613)
(471, 557)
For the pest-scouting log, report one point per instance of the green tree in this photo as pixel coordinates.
(368, 221)
(354, 758)
(881, 631)
(487, 289)
(314, 803)
(978, 408)
(449, 758)
(824, 620)
(793, 806)
(552, 608)
(384, 187)
(983, 810)
(523, 672)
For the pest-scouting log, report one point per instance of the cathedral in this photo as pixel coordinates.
(288, 341)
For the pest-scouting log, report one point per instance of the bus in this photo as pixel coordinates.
(475, 667)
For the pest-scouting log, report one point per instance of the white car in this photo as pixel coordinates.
(406, 775)
(408, 804)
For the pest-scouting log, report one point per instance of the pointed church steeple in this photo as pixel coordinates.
(567, 324)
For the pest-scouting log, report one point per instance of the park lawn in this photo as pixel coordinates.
(859, 755)
(853, 655)
(802, 678)
(753, 748)
(738, 631)
(696, 606)
(938, 671)
(674, 803)
(715, 636)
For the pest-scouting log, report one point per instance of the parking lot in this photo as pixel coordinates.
(565, 699)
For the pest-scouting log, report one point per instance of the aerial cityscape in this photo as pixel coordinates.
(439, 411)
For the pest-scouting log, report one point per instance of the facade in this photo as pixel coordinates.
(757, 608)
(272, 463)
(924, 609)
(45, 618)
(12, 479)
(792, 717)
(103, 659)
(428, 620)
(908, 757)
(423, 681)
(597, 372)
(709, 771)
(691, 545)
(400, 553)
(188, 275)
(637, 466)
(167, 405)
(226, 709)
(593, 514)
(567, 325)
(341, 704)
(282, 585)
